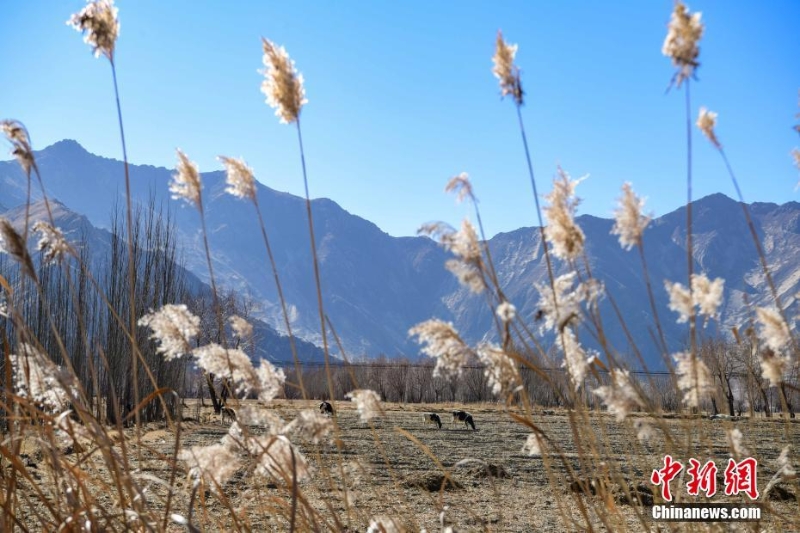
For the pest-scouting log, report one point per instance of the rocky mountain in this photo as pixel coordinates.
(723, 248)
(376, 286)
(370, 297)
(80, 232)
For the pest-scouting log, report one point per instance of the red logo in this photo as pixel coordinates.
(665, 475)
(704, 478)
(741, 477)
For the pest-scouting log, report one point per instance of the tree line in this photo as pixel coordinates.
(83, 311)
(737, 387)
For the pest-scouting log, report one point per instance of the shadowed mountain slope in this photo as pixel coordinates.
(375, 286)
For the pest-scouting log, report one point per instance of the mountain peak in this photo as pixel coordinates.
(716, 199)
(66, 146)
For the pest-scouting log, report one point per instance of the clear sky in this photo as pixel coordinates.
(401, 97)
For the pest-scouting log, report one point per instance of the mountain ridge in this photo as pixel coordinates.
(77, 229)
(375, 286)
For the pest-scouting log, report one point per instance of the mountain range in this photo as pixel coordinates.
(375, 286)
(268, 343)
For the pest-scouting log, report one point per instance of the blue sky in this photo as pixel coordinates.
(401, 97)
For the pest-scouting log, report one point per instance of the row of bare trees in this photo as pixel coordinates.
(80, 312)
(83, 308)
(738, 386)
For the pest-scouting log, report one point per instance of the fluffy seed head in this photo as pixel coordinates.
(442, 342)
(576, 360)
(461, 186)
(468, 265)
(680, 300)
(620, 397)
(630, 223)
(38, 378)
(681, 44)
(15, 132)
(367, 402)
(506, 311)
(98, 22)
(773, 328)
(283, 85)
(186, 183)
(467, 274)
(241, 327)
(464, 243)
(435, 230)
(564, 235)
(310, 425)
(505, 70)
(11, 243)
(212, 465)
(736, 444)
(270, 381)
(694, 378)
(251, 415)
(173, 328)
(277, 458)
(785, 469)
(235, 438)
(564, 306)
(17, 135)
(774, 367)
(706, 122)
(500, 370)
(707, 294)
(51, 242)
(232, 364)
(239, 178)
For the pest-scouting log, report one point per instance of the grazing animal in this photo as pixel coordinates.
(433, 418)
(326, 408)
(458, 416)
(463, 416)
(229, 414)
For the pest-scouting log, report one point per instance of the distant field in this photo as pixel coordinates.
(498, 487)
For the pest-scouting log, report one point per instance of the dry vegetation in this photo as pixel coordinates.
(428, 478)
(84, 358)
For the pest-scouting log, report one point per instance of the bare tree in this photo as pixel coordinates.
(230, 304)
(750, 364)
(158, 280)
(723, 364)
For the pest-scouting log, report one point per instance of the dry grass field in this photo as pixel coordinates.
(87, 349)
(396, 466)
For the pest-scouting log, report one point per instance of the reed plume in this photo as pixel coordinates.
(98, 22)
(505, 70)
(283, 85)
(681, 44)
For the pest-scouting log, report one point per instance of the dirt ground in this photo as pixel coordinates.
(396, 467)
